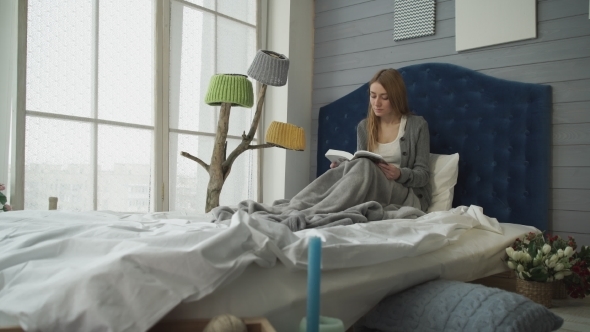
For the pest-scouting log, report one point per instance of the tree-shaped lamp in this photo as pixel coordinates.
(227, 90)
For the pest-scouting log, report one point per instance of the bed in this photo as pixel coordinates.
(123, 265)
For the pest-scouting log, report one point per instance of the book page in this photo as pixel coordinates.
(368, 154)
(338, 155)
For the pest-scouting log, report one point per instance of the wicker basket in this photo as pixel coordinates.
(559, 292)
(540, 292)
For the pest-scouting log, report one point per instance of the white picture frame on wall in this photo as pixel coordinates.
(480, 23)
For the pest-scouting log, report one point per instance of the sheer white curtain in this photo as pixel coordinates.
(92, 102)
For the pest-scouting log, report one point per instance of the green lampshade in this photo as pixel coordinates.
(230, 88)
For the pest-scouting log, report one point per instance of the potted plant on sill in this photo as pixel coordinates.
(4, 207)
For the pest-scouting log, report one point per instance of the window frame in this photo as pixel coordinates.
(160, 199)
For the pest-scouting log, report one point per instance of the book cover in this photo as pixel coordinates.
(340, 156)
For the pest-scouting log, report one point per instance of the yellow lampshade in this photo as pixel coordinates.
(286, 135)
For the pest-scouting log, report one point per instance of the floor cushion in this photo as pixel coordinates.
(444, 305)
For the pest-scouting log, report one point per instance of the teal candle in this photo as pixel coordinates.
(314, 261)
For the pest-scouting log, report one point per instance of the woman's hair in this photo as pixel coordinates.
(394, 85)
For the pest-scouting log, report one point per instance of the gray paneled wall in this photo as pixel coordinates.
(354, 39)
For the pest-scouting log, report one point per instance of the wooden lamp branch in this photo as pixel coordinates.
(246, 139)
(191, 157)
(260, 146)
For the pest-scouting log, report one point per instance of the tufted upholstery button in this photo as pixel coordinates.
(477, 148)
(494, 163)
(477, 178)
(336, 128)
(404, 153)
(402, 139)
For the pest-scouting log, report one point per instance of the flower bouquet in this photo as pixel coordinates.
(4, 207)
(541, 258)
(538, 261)
(577, 284)
(545, 258)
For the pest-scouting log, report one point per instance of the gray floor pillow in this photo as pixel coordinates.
(443, 305)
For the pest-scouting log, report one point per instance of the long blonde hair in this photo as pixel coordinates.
(393, 83)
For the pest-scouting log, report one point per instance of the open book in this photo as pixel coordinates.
(340, 156)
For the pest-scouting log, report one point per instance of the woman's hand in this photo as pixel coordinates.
(334, 164)
(391, 172)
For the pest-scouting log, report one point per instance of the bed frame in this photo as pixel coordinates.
(501, 130)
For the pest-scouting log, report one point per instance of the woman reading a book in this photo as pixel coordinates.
(401, 138)
(364, 189)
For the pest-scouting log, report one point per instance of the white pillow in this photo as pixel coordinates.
(443, 178)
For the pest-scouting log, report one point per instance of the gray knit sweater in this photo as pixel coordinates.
(415, 147)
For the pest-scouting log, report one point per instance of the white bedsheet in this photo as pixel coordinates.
(63, 271)
(348, 294)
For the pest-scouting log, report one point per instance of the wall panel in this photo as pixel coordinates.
(571, 112)
(354, 39)
(571, 177)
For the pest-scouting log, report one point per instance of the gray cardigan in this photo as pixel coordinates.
(415, 147)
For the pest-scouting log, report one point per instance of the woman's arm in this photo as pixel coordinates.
(418, 175)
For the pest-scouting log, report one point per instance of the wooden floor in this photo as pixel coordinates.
(575, 312)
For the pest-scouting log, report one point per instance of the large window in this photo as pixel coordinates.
(104, 126)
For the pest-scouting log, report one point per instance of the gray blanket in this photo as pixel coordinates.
(356, 191)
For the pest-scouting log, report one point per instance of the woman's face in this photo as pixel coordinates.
(380, 100)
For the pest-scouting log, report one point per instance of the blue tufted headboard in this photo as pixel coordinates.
(501, 130)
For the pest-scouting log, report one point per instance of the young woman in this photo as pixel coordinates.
(400, 137)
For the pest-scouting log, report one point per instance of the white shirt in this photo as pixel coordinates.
(391, 151)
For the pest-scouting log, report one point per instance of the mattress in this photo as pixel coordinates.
(280, 294)
(67, 271)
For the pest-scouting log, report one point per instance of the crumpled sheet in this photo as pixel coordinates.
(67, 271)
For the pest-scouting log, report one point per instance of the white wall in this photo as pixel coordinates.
(290, 32)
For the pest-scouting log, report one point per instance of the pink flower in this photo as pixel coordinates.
(2, 187)
(7, 207)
